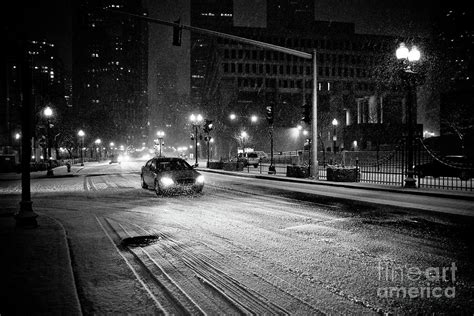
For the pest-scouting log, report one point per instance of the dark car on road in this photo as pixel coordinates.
(170, 175)
(449, 166)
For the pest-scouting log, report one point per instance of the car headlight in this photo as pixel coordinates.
(119, 158)
(200, 179)
(167, 181)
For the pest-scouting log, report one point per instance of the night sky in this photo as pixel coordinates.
(51, 19)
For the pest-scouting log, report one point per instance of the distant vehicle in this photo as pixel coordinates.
(170, 174)
(115, 159)
(449, 166)
(247, 159)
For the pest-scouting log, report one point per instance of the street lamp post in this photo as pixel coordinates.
(160, 135)
(48, 112)
(98, 142)
(81, 134)
(196, 120)
(243, 135)
(18, 140)
(409, 78)
(208, 140)
(334, 135)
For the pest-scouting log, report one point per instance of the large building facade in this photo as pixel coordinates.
(110, 60)
(231, 77)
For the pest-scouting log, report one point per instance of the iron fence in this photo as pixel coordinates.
(385, 168)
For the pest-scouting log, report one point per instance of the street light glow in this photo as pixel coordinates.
(17, 136)
(98, 141)
(48, 111)
(81, 133)
(254, 118)
(232, 116)
(243, 134)
(160, 134)
(414, 54)
(196, 118)
(335, 122)
(402, 51)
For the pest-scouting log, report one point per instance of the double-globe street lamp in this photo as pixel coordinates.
(196, 120)
(81, 134)
(48, 113)
(409, 77)
(160, 135)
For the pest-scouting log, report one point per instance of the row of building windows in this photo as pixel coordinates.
(306, 43)
(322, 58)
(257, 83)
(347, 72)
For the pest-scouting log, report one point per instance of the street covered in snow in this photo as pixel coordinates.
(247, 246)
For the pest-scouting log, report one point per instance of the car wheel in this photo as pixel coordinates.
(157, 188)
(464, 176)
(144, 185)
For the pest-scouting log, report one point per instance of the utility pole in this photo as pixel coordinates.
(26, 217)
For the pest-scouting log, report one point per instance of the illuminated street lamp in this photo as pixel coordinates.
(196, 120)
(334, 134)
(81, 134)
(409, 77)
(17, 137)
(98, 142)
(232, 116)
(254, 118)
(48, 113)
(160, 135)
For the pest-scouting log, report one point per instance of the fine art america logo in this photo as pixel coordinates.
(431, 282)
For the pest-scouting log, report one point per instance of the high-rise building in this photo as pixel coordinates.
(110, 60)
(49, 89)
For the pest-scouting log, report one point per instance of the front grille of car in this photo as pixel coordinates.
(185, 181)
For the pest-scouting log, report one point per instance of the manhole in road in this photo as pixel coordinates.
(139, 241)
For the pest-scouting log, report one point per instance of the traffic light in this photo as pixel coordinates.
(208, 126)
(177, 30)
(269, 113)
(306, 113)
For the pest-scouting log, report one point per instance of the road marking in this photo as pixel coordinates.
(157, 304)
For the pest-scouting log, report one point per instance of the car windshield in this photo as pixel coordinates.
(173, 165)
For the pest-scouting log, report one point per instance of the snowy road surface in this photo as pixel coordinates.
(245, 247)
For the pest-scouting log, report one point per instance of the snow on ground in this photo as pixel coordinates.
(243, 248)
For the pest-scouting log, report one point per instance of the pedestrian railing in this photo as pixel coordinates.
(388, 168)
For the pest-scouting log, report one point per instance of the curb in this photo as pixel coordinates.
(450, 195)
(71, 279)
